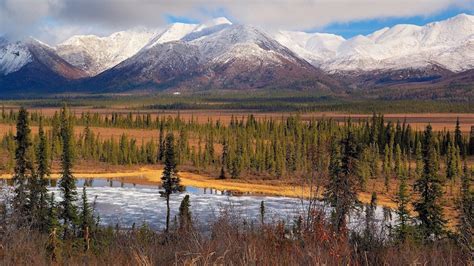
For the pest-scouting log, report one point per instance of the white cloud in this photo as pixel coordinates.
(29, 16)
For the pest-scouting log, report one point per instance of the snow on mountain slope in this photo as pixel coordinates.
(16, 55)
(241, 41)
(179, 31)
(225, 56)
(174, 32)
(314, 47)
(95, 54)
(13, 56)
(447, 43)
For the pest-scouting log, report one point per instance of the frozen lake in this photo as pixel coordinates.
(126, 204)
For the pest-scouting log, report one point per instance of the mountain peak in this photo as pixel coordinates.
(214, 22)
(463, 16)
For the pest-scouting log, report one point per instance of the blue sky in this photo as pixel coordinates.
(351, 28)
(364, 27)
(55, 20)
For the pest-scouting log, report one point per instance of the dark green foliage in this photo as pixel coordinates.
(43, 171)
(369, 236)
(466, 212)
(170, 179)
(471, 141)
(222, 173)
(24, 177)
(341, 191)
(403, 200)
(458, 139)
(429, 187)
(185, 219)
(161, 144)
(86, 216)
(67, 183)
(53, 217)
(452, 161)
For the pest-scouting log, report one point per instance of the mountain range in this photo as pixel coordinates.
(404, 60)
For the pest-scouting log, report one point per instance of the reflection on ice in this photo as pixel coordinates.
(126, 204)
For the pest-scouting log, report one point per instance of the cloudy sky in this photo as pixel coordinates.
(54, 20)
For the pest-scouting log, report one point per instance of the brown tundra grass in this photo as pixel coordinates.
(227, 243)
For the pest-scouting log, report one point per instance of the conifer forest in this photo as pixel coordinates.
(347, 169)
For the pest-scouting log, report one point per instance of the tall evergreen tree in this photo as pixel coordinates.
(471, 141)
(86, 219)
(430, 190)
(161, 144)
(403, 200)
(458, 137)
(387, 167)
(53, 225)
(67, 183)
(398, 161)
(43, 171)
(452, 164)
(341, 191)
(169, 180)
(370, 221)
(419, 161)
(466, 211)
(23, 172)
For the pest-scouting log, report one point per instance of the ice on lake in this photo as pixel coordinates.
(126, 204)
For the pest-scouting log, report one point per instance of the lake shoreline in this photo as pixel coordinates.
(146, 176)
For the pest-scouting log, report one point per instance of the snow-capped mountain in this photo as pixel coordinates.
(13, 56)
(179, 31)
(95, 54)
(314, 47)
(448, 44)
(216, 55)
(30, 64)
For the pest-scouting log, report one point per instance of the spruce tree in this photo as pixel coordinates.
(458, 137)
(53, 226)
(466, 211)
(161, 144)
(170, 180)
(430, 190)
(403, 200)
(86, 219)
(262, 212)
(419, 161)
(387, 167)
(222, 173)
(341, 191)
(43, 171)
(370, 221)
(452, 164)
(23, 177)
(398, 161)
(471, 141)
(185, 220)
(67, 183)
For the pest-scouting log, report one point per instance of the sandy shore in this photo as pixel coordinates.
(153, 177)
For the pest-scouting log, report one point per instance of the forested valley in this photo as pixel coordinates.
(426, 174)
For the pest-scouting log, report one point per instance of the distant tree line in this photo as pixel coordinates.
(279, 148)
